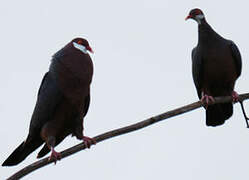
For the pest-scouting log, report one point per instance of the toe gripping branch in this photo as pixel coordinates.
(244, 113)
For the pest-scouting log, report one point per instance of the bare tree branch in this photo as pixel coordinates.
(43, 162)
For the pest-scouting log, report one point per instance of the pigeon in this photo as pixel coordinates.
(216, 65)
(62, 103)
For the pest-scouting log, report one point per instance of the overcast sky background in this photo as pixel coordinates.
(142, 66)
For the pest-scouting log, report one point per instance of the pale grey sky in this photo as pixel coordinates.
(142, 66)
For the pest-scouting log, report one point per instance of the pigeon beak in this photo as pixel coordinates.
(188, 17)
(89, 49)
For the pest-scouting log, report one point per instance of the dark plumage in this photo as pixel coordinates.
(62, 103)
(216, 65)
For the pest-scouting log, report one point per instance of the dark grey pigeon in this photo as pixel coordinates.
(216, 65)
(62, 103)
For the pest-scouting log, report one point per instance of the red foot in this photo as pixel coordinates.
(205, 99)
(235, 96)
(88, 141)
(55, 155)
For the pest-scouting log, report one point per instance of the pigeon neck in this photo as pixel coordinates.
(205, 31)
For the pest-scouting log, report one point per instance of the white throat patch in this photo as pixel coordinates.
(80, 47)
(199, 18)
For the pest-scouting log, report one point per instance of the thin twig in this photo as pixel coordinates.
(43, 162)
(244, 113)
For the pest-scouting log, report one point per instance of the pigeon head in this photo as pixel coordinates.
(82, 45)
(196, 14)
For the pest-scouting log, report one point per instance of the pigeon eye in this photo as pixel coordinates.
(79, 42)
(197, 12)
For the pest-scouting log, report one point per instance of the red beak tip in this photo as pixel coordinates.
(89, 49)
(188, 17)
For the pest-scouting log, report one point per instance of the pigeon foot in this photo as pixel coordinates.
(88, 141)
(55, 155)
(205, 99)
(235, 96)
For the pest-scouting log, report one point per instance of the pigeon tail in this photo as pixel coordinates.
(21, 152)
(218, 113)
(45, 150)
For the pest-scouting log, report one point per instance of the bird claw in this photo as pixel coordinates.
(88, 141)
(205, 99)
(54, 156)
(235, 96)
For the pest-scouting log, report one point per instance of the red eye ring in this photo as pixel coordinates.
(79, 41)
(197, 12)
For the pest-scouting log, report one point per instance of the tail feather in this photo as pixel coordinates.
(21, 152)
(45, 150)
(218, 113)
(227, 109)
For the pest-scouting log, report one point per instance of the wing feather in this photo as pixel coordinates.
(197, 70)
